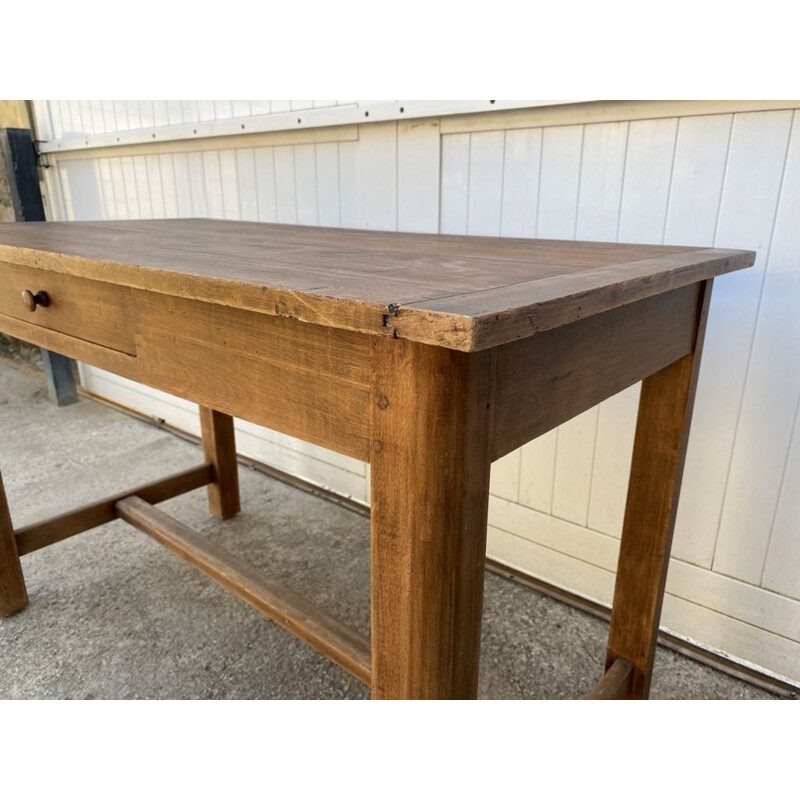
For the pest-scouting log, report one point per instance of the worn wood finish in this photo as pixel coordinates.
(219, 447)
(13, 595)
(426, 355)
(616, 682)
(303, 380)
(558, 374)
(659, 450)
(92, 310)
(49, 531)
(340, 643)
(431, 428)
(461, 292)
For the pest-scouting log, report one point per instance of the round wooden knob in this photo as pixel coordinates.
(32, 300)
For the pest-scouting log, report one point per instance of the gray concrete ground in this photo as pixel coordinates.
(114, 615)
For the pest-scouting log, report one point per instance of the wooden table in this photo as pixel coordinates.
(427, 356)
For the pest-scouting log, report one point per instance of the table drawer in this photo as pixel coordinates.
(97, 312)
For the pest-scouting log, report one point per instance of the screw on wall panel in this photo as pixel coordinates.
(242, 126)
(491, 102)
(366, 113)
(401, 109)
(299, 120)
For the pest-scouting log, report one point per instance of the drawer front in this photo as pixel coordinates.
(97, 312)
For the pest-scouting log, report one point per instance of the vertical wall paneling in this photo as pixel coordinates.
(602, 173)
(350, 190)
(175, 112)
(484, 215)
(81, 180)
(247, 184)
(455, 179)
(600, 440)
(285, 187)
(521, 189)
(648, 171)
(229, 184)
(782, 568)
(305, 178)
(522, 154)
(153, 169)
(166, 163)
(747, 209)
(418, 154)
(559, 182)
(242, 108)
(559, 191)
(600, 188)
(485, 188)
(771, 393)
(212, 174)
(328, 190)
(698, 175)
(267, 193)
(378, 149)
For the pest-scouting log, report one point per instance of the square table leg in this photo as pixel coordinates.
(13, 596)
(219, 447)
(431, 425)
(659, 450)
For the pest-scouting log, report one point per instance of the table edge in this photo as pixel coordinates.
(542, 304)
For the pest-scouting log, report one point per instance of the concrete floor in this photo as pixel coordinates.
(114, 615)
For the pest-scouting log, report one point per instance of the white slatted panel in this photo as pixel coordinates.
(63, 118)
(753, 175)
(767, 417)
(556, 510)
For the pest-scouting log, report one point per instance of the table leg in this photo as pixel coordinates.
(431, 425)
(13, 596)
(662, 431)
(219, 447)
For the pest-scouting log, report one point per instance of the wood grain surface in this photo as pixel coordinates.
(13, 595)
(460, 292)
(545, 380)
(659, 451)
(303, 380)
(219, 447)
(77, 520)
(431, 425)
(340, 643)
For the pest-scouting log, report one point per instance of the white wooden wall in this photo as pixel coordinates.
(60, 118)
(665, 174)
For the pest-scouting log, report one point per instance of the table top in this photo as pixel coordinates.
(461, 292)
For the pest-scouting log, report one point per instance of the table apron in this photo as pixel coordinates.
(303, 380)
(553, 376)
